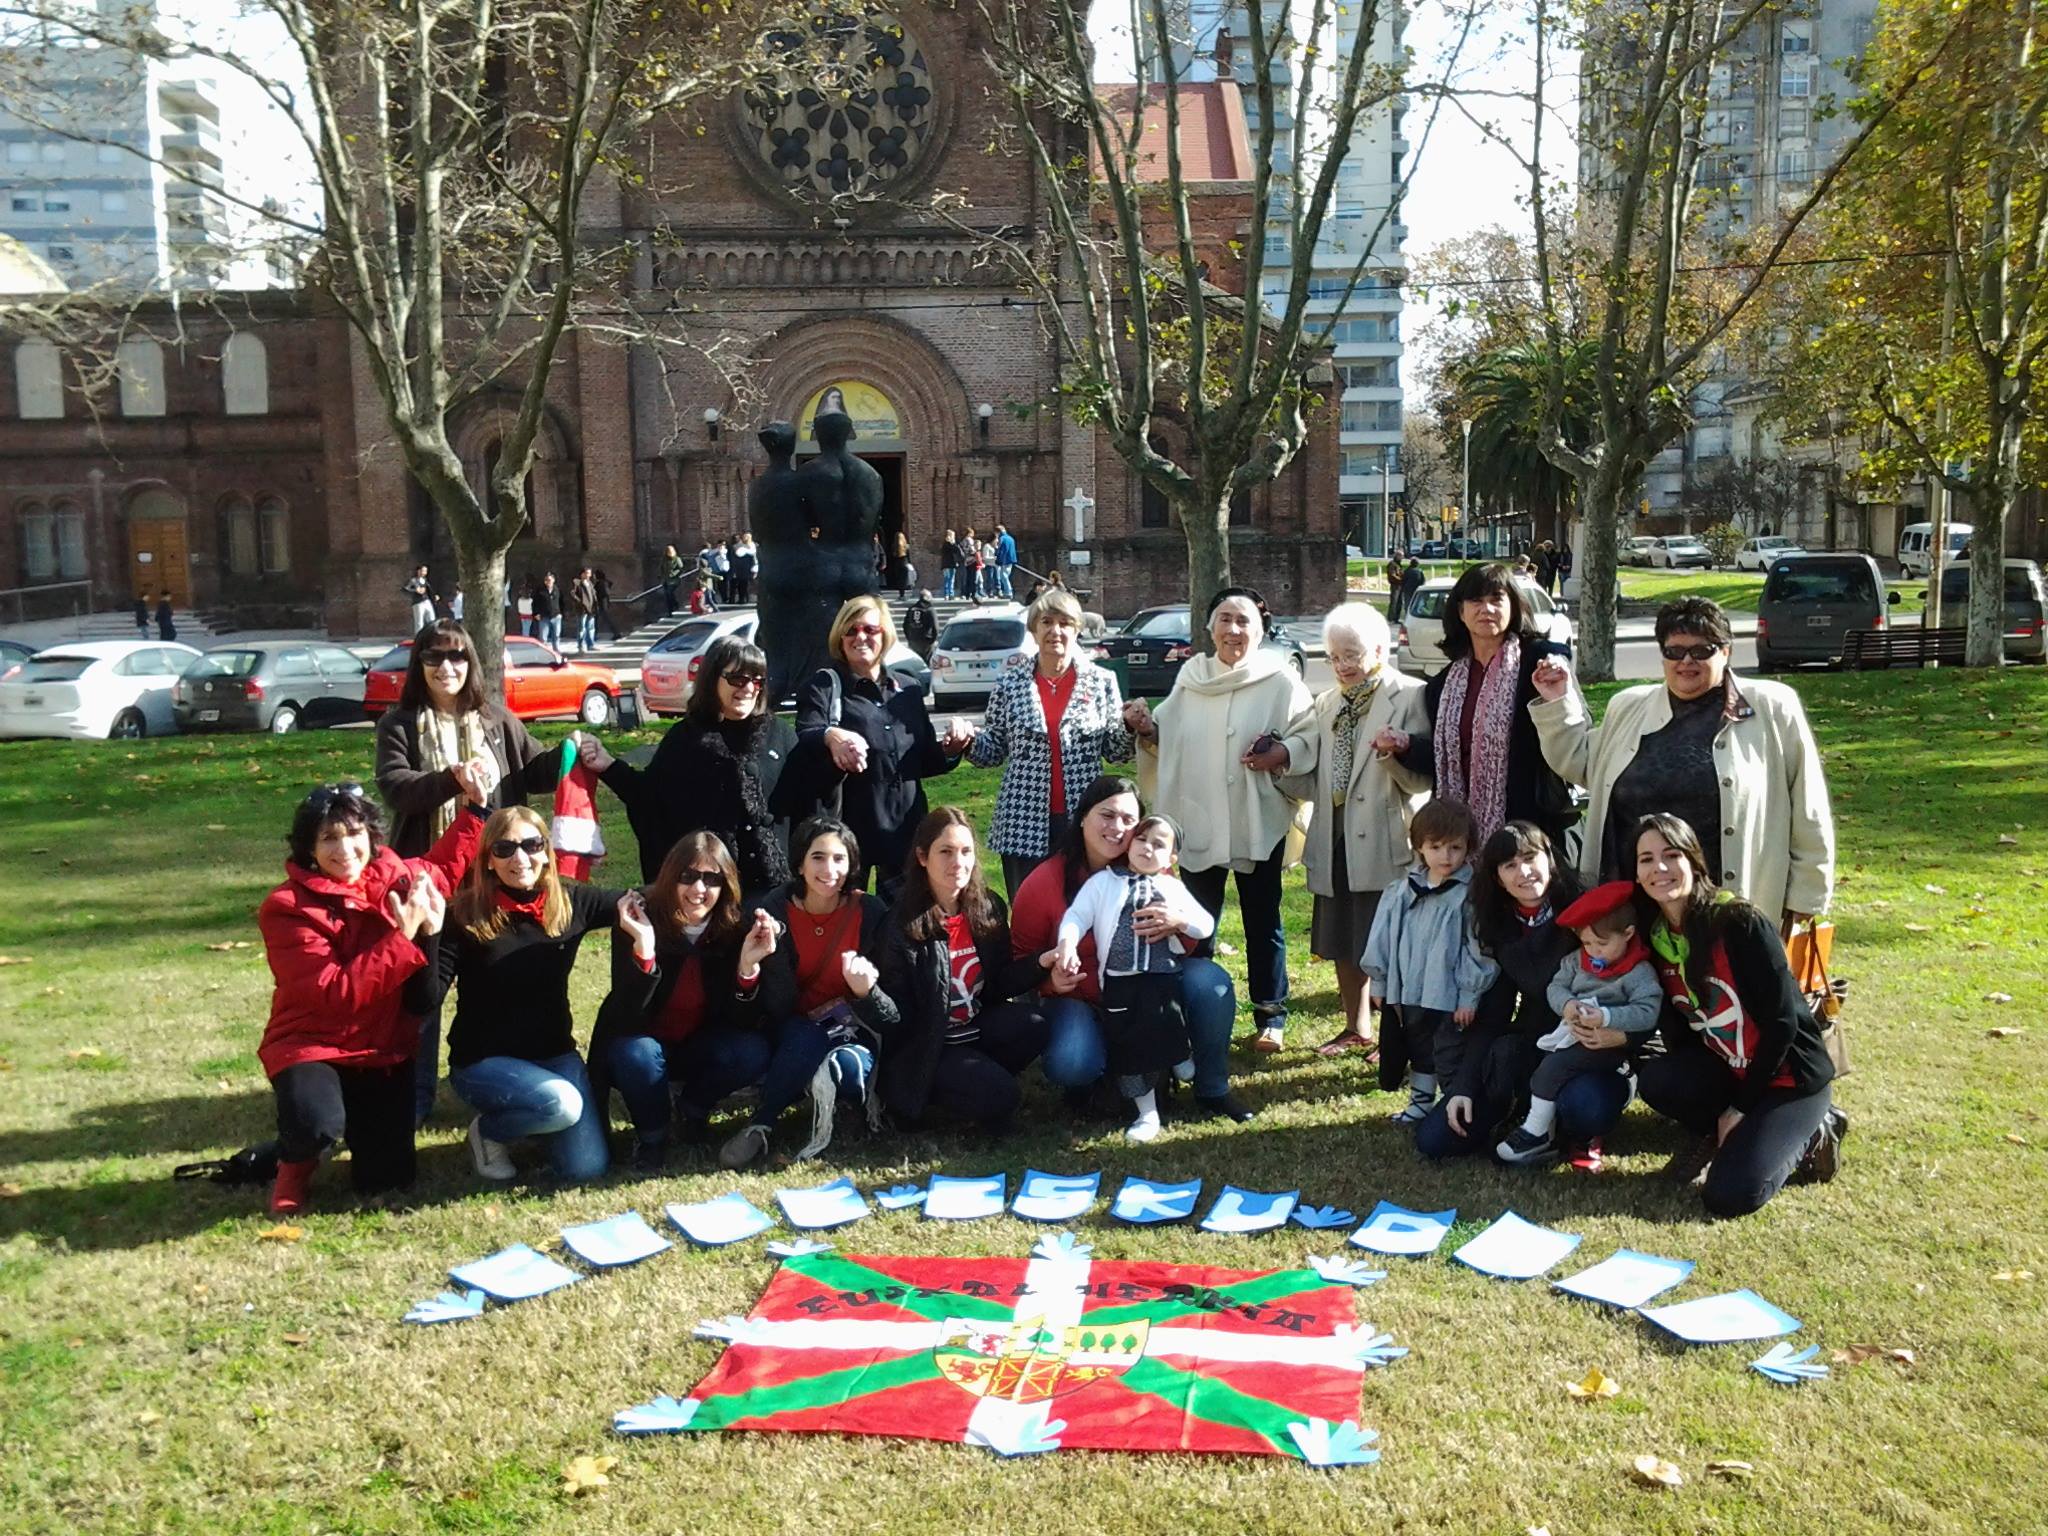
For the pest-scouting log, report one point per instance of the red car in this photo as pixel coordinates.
(538, 683)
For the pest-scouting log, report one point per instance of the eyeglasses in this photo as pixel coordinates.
(705, 877)
(738, 680)
(326, 795)
(1700, 652)
(505, 847)
(864, 631)
(455, 658)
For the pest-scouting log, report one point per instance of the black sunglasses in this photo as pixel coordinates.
(738, 678)
(704, 877)
(323, 798)
(1700, 652)
(439, 658)
(505, 847)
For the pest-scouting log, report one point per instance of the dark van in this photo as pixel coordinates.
(1810, 604)
(2026, 607)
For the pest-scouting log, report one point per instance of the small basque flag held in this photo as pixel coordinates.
(578, 843)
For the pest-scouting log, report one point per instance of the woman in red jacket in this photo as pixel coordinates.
(339, 938)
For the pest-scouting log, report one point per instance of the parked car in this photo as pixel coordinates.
(270, 687)
(1674, 550)
(1758, 553)
(668, 672)
(1809, 605)
(1149, 651)
(1915, 542)
(1419, 641)
(976, 648)
(94, 690)
(12, 654)
(1435, 549)
(2026, 607)
(1637, 550)
(1461, 549)
(538, 683)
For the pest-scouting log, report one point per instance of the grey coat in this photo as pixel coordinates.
(1633, 1000)
(1421, 953)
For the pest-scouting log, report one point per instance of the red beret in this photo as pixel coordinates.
(1601, 901)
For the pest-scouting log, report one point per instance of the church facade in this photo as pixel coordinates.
(243, 460)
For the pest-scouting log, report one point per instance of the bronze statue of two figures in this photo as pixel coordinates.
(816, 530)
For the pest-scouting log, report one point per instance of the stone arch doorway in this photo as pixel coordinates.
(159, 546)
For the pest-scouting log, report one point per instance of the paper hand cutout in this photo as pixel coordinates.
(1317, 1217)
(1324, 1444)
(1370, 1349)
(664, 1416)
(1009, 1431)
(1339, 1270)
(797, 1247)
(734, 1329)
(451, 1307)
(1061, 1245)
(900, 1196)
(1787, 1366)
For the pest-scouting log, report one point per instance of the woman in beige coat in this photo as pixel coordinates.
(1734, 757)
(1234, 818)
(1358, 840)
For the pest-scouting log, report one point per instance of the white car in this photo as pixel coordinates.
(668, 672)
(1420, 643)
(1680, 549)
(95, 690)
(1637, 550)
(977, 648)
(1757, 554)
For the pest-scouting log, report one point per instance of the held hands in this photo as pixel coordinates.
(1057, 977)
(1553, 679)
(636, 925)
(410, 912)
(1138, 719)
(476, 779)
(957, 737)
(1390, 742)
(758, 945)
(592, 753)
(849, 751)
(433, 906)
(1273, 760)
(859, 971)
(1067, 959)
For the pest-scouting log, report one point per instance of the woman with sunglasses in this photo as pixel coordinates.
(1733, 757)
(509, 945)
(344, 937)
(865, 739)
(714, 771)
(686, 981)
(442, 737)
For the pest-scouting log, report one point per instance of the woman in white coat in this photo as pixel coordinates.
(1223, 710)
(1358, 839)
(1734, 757)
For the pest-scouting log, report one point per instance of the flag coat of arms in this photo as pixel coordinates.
(1038, 1354)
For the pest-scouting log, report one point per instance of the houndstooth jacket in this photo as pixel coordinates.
(1013, 729)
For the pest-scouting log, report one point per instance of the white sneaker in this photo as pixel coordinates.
(1144, 1128)
(492, 1160)
(1269, 1040)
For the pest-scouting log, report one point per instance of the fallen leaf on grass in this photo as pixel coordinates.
(6, 1065)
(2017, 1139)
(1741, 1471)
(1997, 997)
(10, 1191)
(585, 1474)
(2003, 1032)
(1655, 1472)
(74, 1343)
(2013, 1276)
(1935, 890)
(229, 944)
(296, 1338)
(2007, 840)
(148, 1417)
(1978, 944)
(83, 1053)
(1857, 1354)
(1918, 928)
(281, 1233)
(1596, 1384)
(216, 826)
(15, 959)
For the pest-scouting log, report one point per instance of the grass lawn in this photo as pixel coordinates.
(162, 1368)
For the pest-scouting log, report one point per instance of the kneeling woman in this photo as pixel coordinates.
(344, 937)
(686, 981)
(1748, 1072)
(512, 937)
(818, 987)
(968, 1020)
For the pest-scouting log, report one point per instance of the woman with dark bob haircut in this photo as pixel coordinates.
(1481, 746)
(714, 771)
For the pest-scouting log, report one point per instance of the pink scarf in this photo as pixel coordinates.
(1486, 779)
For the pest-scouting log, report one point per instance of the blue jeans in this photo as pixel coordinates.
(1074, 1056)
(549, 632)
(710, 1065)
(586, 632)
(801, 1045)
(549, 1099)
(1003, 580)
(1588, 1107)
(946, 579)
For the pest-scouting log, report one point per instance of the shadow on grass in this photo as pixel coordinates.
(186, 1125)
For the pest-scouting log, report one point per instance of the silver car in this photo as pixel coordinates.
(271, 687)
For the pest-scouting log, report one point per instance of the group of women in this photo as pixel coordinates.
(754, 958)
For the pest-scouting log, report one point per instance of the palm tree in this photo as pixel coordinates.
(1501, 391)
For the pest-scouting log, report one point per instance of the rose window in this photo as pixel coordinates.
(844, 107)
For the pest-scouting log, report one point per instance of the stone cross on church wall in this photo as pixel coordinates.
(1080, 504)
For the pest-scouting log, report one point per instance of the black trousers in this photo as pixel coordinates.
(370, 1108)
(1556, 1068)
(1428, 1042)
(1692, 1085)
(1265, 940)
(977, 1082)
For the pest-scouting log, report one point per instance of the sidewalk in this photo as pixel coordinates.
(1308, 630)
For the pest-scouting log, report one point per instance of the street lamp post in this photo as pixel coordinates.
(1465, 496)
(1387, 495)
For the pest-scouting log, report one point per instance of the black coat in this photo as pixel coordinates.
(1787, 1034)
(717, 779)
(916, 974)
(778, 971)
(883, 803)
(638, 998)
(1501, 1050)
(525, 767)
(512, 992)
(1534, 790)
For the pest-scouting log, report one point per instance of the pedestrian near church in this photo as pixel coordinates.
(583, 608)
(166, 628)
(420, 593)
(547, 613)
(746, 569)
(969, 550)
(921, 625)
(142, 616)
(672, 572)
(949, 564)
(1006, 560)
(1396, 604)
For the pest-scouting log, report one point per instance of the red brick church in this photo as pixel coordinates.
(240, 458)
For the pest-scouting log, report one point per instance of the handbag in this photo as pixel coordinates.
(1807, 948)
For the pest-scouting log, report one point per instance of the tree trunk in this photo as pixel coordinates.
(1601, 498)
(1991, 507)
(1205, 518)
(483, 596)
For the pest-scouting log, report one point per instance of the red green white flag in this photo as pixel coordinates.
(1046, 1353)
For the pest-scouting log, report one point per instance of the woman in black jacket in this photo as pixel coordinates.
(968, 1016)
(1520, 885)
(1481, 746)
(714, 771)
(863, 735)
(818, 986)
(686, 982)
(441, 736)
(1747, 1071)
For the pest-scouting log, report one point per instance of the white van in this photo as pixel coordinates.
(1914, 542)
